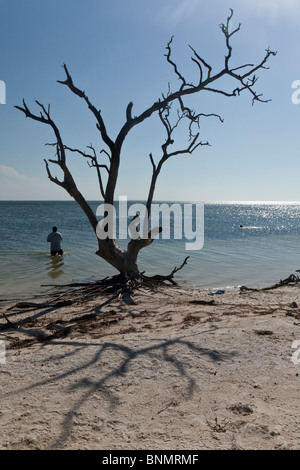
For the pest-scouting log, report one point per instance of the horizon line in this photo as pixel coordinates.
(162, 200)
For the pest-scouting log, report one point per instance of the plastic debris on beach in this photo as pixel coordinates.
(220, 291)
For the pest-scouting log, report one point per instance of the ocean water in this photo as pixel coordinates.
(265, 250)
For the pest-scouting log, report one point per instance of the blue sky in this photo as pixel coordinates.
(115, 52)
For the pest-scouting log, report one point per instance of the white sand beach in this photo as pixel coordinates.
(167, 372)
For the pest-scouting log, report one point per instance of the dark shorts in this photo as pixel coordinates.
(53, 253)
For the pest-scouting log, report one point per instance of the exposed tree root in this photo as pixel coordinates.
(157, 279)
(9, 324)
(115, 287)
(121, 286)
(110, 288)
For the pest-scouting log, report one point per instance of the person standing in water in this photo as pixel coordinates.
(55, 239)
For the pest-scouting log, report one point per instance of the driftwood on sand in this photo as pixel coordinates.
(292, 279)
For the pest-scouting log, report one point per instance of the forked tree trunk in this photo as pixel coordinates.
(124, 261)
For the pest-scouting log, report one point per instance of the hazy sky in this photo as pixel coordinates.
(115, 52)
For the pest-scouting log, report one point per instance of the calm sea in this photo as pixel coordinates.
(265, 250)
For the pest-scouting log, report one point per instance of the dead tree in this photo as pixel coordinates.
(244, 79)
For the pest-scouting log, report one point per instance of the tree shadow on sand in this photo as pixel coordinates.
(88, 385)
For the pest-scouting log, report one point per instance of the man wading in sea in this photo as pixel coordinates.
(55, 238)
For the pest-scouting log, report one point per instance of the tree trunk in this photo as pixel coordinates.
(124, 261)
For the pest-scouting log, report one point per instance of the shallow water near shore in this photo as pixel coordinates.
(261, 252)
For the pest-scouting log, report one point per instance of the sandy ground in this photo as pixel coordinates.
(165, 373)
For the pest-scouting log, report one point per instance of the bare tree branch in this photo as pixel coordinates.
(106, 153)
(168, 56)
(194, 144)
(68, 183)
(97, 113)
(152, 161)
(94, 164)
(51, 178)
(128, 111)
(225, 30)
(199, 60)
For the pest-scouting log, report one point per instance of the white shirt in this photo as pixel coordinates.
(55, 238)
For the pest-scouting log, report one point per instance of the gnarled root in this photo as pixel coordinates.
(157, 279)
(119, 286)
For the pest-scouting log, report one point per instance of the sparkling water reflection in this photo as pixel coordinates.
(265, 249)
